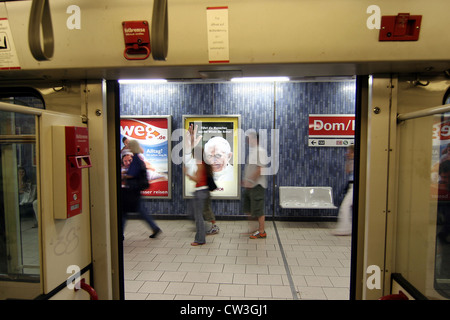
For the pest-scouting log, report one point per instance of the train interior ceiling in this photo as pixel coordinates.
(60, 215)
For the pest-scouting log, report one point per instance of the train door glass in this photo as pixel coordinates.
(422, 250)
(19, 232)
(442, 252)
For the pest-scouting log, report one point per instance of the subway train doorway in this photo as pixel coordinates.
(304, 256)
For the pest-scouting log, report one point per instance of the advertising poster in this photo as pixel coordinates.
(440, 159)
(219, 138)
(153, 135)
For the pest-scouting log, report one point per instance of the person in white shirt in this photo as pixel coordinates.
(255, 184)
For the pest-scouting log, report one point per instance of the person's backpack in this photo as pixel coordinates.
(142, 179)
(210, 179)
(211, 184)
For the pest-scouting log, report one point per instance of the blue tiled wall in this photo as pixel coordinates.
(284, 106)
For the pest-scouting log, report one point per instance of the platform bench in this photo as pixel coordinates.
(306, 198)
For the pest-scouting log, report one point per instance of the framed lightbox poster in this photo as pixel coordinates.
(219, 137)
(154, 136)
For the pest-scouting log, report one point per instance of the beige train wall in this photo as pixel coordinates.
(308, 38)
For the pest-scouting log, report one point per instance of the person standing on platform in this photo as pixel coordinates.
(255, 184)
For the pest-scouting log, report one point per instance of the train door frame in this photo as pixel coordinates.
(361, 104)
(361, 107)
(113, 120)
(378, 197)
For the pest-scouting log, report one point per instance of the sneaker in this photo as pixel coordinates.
(214, 230)
(258, 235)
(195, 244)
(155, 233)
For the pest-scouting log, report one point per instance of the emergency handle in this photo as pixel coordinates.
(133, 50)
(137, 40)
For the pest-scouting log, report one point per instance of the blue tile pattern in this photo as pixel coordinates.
(283, 106)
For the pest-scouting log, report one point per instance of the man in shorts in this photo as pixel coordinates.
(255, 184)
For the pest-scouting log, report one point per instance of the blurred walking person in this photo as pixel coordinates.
(344, 222)
(134, 179)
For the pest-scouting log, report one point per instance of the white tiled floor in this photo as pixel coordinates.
(310, 263)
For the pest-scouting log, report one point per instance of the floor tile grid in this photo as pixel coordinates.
(232, 266)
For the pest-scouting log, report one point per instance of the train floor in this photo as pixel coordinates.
(297, 261)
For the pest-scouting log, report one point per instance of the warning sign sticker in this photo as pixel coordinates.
(8, 55)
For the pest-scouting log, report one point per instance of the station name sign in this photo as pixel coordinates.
(331, 130)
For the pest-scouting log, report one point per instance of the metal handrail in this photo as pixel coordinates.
(10, 107)
(423, 113)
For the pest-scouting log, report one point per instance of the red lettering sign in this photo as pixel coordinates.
(441, 130)
(144, 129)
(333, 125)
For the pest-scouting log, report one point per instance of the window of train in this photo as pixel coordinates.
(22, 96)
(422, 254)
(19, 232)
(442, 252)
